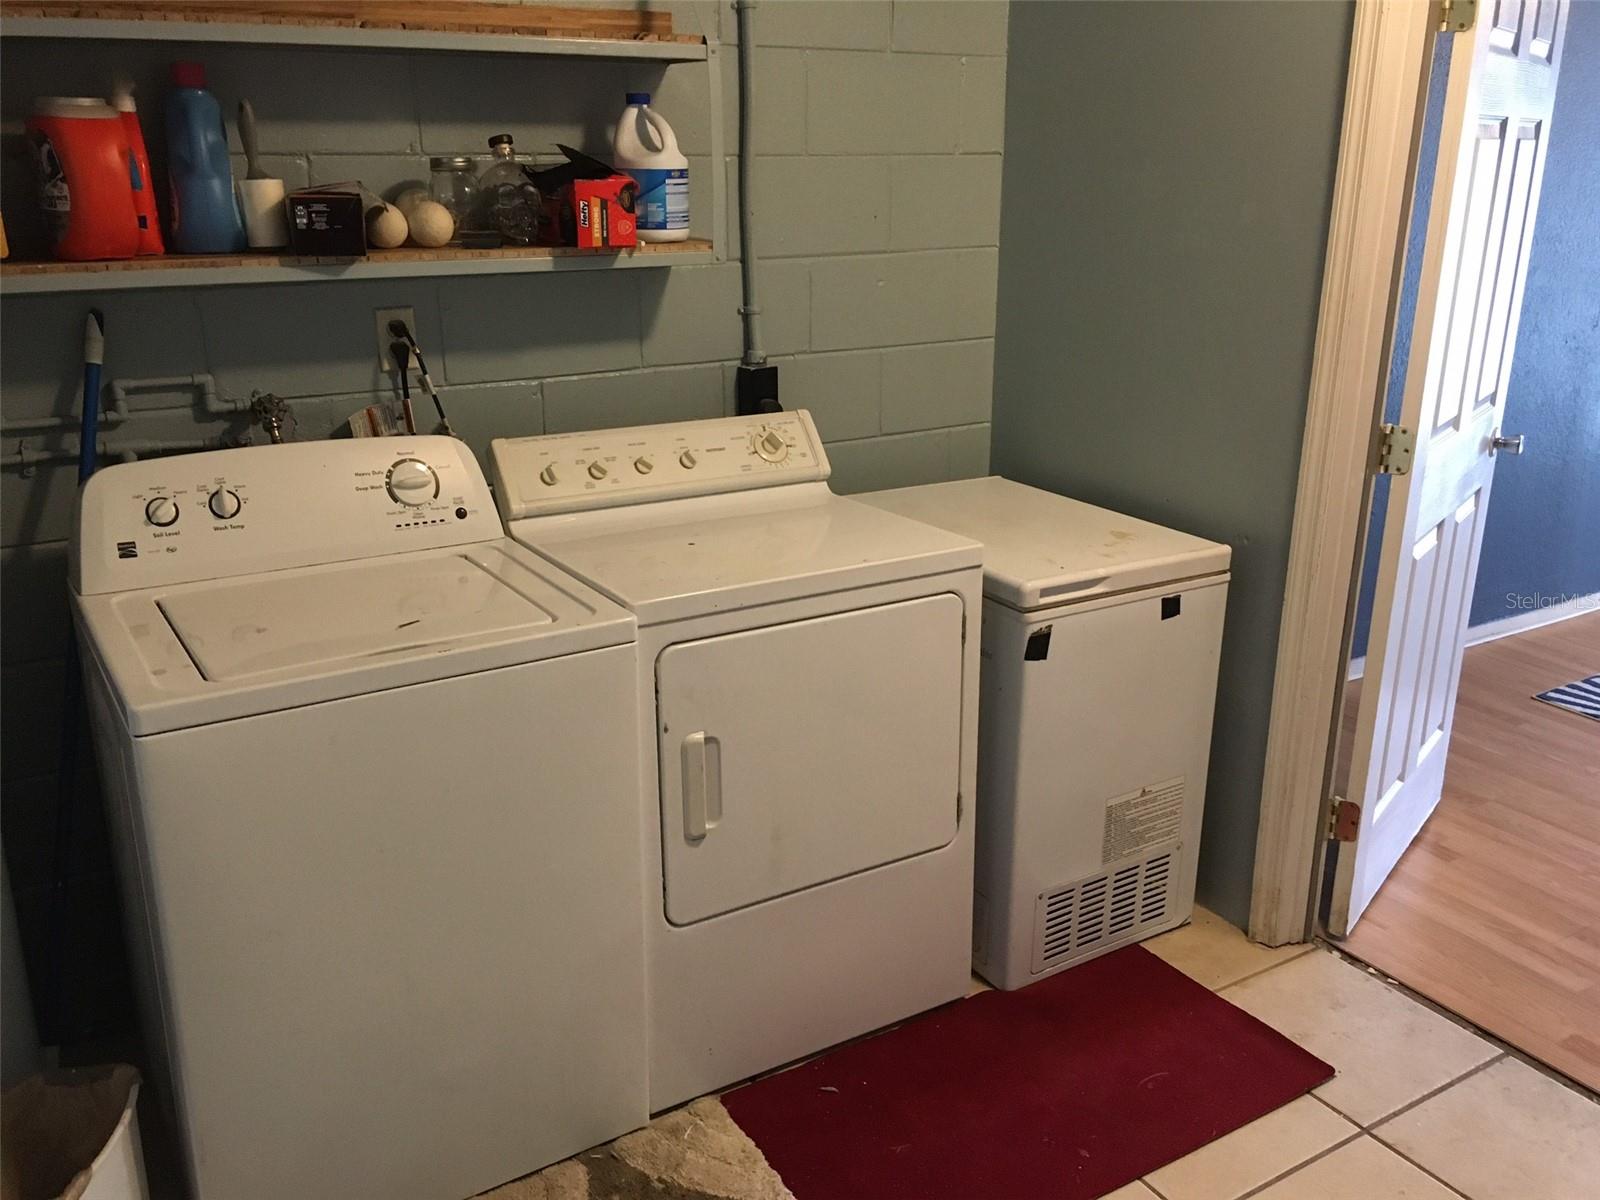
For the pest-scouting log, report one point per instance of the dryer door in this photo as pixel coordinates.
(801, 753)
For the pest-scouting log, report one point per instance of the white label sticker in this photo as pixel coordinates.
(1139, 820)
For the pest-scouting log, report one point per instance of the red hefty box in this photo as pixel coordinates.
(597, 213)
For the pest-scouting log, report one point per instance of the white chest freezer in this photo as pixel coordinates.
(1101, 637)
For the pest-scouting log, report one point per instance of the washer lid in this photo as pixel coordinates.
(239, 630)
(1041, 549)
(213, 650)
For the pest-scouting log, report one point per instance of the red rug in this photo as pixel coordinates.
(1066, 1089)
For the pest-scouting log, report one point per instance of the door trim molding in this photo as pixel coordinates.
(1386, 87)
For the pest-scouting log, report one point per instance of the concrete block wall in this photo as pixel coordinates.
(879, 134)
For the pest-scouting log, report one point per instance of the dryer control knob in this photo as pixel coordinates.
(643, 465)
(162, 511)
(412, 481)
(548, 476)
(771, 446)
(224, 504)
(688, 459)
(597, 470)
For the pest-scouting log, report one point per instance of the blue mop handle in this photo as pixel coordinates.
(94, 354)
(58, 1029)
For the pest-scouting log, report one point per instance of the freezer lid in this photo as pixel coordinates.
(1042, 549)
(292, 620)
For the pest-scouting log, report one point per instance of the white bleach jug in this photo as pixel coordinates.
(647, 149)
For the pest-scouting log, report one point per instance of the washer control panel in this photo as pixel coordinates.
(566, 472)
(262, 508)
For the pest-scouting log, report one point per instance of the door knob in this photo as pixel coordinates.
(1511, 445)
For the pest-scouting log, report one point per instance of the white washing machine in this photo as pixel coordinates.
(808, 679)
(1101, 638)
(379, 849)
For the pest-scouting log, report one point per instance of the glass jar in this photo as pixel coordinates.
(454, 184)
(508, 201)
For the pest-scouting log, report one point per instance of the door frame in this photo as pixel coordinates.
(1390, 54)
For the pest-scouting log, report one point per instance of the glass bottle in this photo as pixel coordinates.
(508, 201)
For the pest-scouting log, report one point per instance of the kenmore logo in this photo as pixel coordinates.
(127, 550)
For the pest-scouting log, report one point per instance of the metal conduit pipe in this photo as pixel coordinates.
(750, 309)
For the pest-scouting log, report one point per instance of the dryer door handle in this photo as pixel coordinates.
(702, 785)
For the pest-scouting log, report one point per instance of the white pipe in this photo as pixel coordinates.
(132, 451)
(128, 450)
(121, 409)
(49, 424)
(122, 391)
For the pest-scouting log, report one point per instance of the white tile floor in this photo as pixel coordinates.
(1422, 1108)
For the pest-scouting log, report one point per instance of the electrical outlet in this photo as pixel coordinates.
(382, 317)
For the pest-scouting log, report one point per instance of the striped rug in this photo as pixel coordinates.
(1582, 697)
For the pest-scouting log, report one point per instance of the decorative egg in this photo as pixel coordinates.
(386, 227)
(431, 223)
(410, 198)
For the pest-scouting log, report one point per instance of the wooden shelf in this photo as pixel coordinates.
(461, 26)
(414, 25)
(25, 278)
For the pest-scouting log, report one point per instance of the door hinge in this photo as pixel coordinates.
(958, 809)
(1457, 16)
(1396, 447)
(1344, 819)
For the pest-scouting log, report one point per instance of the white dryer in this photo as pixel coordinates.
(808, 678)
(379, 849)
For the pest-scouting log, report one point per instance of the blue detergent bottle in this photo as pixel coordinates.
(205, 211)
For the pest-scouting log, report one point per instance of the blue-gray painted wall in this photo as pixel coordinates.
(1542, 540)
(1169, 171)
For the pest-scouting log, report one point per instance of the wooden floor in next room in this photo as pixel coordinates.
(1494, 912)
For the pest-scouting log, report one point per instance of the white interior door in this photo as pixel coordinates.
(1492, 147)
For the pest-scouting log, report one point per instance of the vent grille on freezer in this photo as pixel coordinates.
(1103, 910)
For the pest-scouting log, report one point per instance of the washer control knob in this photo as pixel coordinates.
(224, 504)
(412, 481)
(161, 511)
(688, 459)
(597, 470)
(548, 476)
(643, 465)
(771, 446)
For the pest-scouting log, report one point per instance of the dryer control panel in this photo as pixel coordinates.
(566, 472)
(264, 508)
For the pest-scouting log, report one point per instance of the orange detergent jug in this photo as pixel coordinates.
(85, 177)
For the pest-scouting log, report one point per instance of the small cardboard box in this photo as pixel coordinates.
(600, 212)
(587, 203)
(328, 221)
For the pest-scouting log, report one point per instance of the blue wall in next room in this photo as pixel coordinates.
(1543, 533)
(1541, 544)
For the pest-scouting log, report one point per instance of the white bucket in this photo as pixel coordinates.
(73, 1135)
